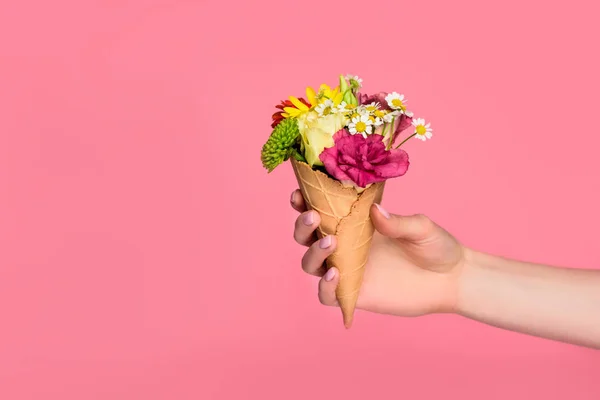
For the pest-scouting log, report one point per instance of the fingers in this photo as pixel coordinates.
(314, 258)
(297, 201)
(327, 286)
(304, 229)
(414, 227)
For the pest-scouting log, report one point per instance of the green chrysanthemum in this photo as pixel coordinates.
(280, 145)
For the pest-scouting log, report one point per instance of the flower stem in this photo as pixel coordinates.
(391, 139)
(406, 139)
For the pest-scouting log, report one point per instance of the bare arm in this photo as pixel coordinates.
(555, 303)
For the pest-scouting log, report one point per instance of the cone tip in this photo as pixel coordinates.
(348, 322)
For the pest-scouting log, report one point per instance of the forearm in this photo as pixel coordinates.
(556, 303)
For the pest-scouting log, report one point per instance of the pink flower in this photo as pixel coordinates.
(363, 161)
(378, 98)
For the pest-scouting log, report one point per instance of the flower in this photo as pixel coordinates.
(422, 130)
(294, 107)
(326, 93)
(355, 81)
(361, 124)
(280, 115)
(382, 114)
(374, 106)
(325, 108)
(344, 107)
(397, 102)
(375, 98)
(316, 133)
(390, 132)
(280, 145)
(297, 108)
(389, 117)
(363, 160)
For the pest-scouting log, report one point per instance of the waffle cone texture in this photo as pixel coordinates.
(344, 213)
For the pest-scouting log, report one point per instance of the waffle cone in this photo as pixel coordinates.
(344, 213)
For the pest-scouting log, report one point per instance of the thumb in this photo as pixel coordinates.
(412, 227)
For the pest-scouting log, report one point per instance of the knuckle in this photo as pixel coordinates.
(424, 220)
(304, 262)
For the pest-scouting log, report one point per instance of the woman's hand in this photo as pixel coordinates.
(413, 265)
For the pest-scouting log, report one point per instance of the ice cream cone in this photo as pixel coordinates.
(344, 213)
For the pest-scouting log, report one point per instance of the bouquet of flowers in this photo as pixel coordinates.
(343, 145)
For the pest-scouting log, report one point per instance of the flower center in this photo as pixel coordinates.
(372, 118)
(327, 111)
(361, 126)
(398, 103)
(355, 115)
(421, 130)
(379, 113)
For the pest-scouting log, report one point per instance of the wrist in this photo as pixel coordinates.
(461, 280)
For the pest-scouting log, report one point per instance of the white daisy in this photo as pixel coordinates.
(354, 80)
(396, 102)
(361, 124)
(374, 106)
(389, 117)
(375, 120)
(325, 108)
(422, 130)
(344, 107)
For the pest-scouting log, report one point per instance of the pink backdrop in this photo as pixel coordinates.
(145, 253)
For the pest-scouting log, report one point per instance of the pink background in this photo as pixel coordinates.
(145, 253)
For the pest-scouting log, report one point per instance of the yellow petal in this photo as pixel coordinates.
(335, 92)
(291, 111)
(285, 115)
(311, 96)
(337, 99)
(299, 105)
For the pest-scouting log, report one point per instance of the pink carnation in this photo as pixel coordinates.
(363, 160)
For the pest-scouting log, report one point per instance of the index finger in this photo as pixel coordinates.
(297, 201)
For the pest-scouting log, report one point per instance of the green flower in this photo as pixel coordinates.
(280, 145)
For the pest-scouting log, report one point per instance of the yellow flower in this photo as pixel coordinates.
(298, 109)
(317, 133)
(325, 93)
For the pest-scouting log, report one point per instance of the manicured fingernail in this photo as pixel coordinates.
(292, 197)
(383, 211)
(308, 218)
(325, 242)
(330, 274)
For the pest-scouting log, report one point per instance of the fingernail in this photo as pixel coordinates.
(383, 211)
(292, 197)
(325, 242)
(308, 218)
(330, 274)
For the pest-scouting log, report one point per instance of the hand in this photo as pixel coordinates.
(413, 265)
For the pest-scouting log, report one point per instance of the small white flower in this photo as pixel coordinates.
(356, 79)
(325, 108)
(360, 110)
(345, 107)
(374, 106)
(396, 102)
(422, 130)
(361, 124)
(389, 117)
